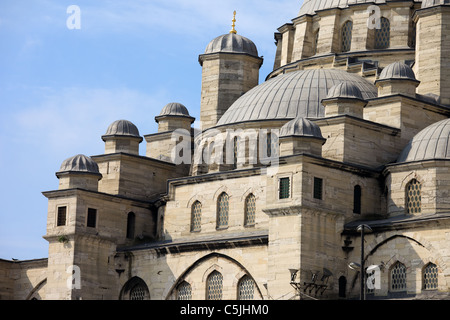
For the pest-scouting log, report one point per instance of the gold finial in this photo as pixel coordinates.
(233, 30)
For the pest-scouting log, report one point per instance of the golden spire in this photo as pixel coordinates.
(233, 25)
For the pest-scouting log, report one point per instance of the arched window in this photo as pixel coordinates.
(196, 217)
(430, 277)
(347, 36)
(398, 277)
(250, 210)
(184, 291)
(135, 289)
(383, 35)
(222, 211)
(246, 288)
(214, 286)
(357, 200)
(235, 152)
(131, 218)
(413, 197)
(342, 287)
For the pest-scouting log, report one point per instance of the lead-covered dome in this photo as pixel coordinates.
(432, 3)
(398, 71)
(311, 6)
(433, 142)
(122, 128)
(291, 95)
(301, 127)
(346, 90)
(174, 109)
(232, 43)
(80, 164)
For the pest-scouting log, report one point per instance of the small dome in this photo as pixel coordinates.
(397, 70)
(174, 109)
(79, 163)
(432, 3)
(232, 43)
(123, 128)
(301, 127)
(433, 142)
(345, 90)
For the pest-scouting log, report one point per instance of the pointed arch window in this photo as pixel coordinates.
(250, 210)
(214, 286)
(222, 210)
(430, 277)
(413, 197)
(246, 288)
(347, 29)
(383, 35)
(184, 291)
(398, 277)
(196, 217)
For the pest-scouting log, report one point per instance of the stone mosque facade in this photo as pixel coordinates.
(266, 201)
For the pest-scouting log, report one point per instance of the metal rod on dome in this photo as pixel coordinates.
(233, 30)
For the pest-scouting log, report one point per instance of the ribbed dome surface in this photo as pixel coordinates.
(232, 43)
(311, 6)
(432, 3)
(433, 142)
(122, 128)
(79, 163)
(301, 127)
(291, 95)
(397, 70)
(345, 90)
(174, 109)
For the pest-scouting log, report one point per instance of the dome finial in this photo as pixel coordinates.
(233, 30)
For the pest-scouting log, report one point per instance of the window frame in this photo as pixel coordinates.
(424, 273)
(208, 290)
(282, 178)
(391, 280)
(348, 43)
(377, 42)
(357, 199)
(89, 218)
(220, 226)
(407, 197)
(322, 193)
(246, 219)
(193, 218)
(247, 279)
(58, 224)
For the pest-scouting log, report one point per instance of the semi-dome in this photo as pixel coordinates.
(301, 127)
(122, 128)
(432, 3)
(291, 95)
(312, 6)
(433, 142)
(79, 163)
(232, 43)
(397, 70)
(346, 90)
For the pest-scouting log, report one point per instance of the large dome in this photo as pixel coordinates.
(311, 6)
(433, 142)
(291, 95)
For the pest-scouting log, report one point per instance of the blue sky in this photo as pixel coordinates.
(60, 88)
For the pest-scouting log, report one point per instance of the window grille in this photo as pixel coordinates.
(138, 292)
(91, 218)
(246, 288)
(222, 210)
(413, 197)
(250, 210)
(62, 216)
(285, 185)
(184, 291)
(430, 277)
(383, 35)
(214, 286)
(398, 277)
(347, 36)
(318, 185)
(196, 218)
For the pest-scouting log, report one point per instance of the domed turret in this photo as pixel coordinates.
(230, 68)
(344, 98)
(122, 136)
(301, 135)
(174, 116)
(79, 171)
(397, 78)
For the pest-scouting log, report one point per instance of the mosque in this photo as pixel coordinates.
(329, 180)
